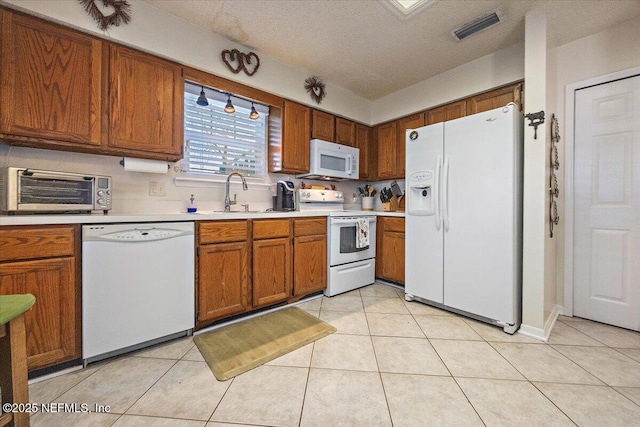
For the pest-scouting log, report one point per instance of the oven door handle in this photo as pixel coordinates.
(350, 220)
(62, 176)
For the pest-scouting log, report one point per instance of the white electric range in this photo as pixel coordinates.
(351, 249)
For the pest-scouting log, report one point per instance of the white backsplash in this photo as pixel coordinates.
(131, 189)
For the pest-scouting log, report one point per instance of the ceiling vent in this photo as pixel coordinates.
(478, 25)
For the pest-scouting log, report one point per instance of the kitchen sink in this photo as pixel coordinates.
(237, 212)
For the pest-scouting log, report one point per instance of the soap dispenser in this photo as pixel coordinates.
(192, 205)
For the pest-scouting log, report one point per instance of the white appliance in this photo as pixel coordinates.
(350, 265)
(464, 216)
(137, 286)
(332, 162)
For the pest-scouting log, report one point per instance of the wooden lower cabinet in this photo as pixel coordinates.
(244, 265)
(223, 280)
(223, 273)
(310, 256)
(271, 271)
(390, 249)
(44, 261)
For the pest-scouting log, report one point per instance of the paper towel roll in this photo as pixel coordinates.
(144, 165)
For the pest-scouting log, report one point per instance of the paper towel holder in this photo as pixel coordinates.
(122, 163)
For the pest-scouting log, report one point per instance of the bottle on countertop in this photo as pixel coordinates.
(192, 205)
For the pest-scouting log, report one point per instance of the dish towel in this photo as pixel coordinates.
(362, 240)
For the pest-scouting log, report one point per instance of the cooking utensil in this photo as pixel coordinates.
(395, 188)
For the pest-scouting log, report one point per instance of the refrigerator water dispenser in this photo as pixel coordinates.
(420, 200)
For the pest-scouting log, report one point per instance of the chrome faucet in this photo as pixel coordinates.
(227, 200)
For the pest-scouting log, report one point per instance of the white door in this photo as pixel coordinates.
(480, 225)
(606, 249)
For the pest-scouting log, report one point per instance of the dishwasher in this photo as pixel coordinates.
(137, 286)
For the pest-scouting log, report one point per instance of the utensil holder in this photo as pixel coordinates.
(391, 205)
(367, 203)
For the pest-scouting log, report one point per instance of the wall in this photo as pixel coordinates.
(496, 69)
(533, 271)
(550, 243)
(615, 49)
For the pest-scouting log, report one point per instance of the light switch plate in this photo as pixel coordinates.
(157, 189)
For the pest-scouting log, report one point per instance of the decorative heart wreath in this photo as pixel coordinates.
(315, 87)
(237, 61)
(121, 14)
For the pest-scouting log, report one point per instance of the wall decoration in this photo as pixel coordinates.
(315, 87)
(121, 12)
(238, 61)
(554, 218)
(535, 120)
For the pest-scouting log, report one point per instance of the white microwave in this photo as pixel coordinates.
(332, 162)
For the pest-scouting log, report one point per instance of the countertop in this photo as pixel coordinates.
(99, 218)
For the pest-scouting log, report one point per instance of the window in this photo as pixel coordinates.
(218, 143)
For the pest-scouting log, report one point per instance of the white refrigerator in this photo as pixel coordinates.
(464, 216)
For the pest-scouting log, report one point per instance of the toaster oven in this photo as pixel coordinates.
(25, 190)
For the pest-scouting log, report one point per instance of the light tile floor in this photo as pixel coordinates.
(390, 363)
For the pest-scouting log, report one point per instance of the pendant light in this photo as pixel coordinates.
(254, 114)
(202, 99)
(229, 108)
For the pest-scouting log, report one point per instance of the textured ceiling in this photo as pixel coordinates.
(362, 46)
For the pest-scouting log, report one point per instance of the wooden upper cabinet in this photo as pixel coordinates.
(290, 153)
(495, 99)
(322, 126)
(363, 143)
(410, 122)
(386, 150)
(345, 132)
(50, 82)
(146, 103)
(447, 112)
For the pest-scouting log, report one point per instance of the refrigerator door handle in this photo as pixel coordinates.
(436, 193)
(445, 194)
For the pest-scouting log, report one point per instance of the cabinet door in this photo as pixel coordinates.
(146, 104)
(345, 132)
(379, 245)
(387, 150)
(495, 99)
(295, 141)
(309, 264)
(323, 125)
(363, 138)
(50, 84)
(447, 112)
(53, 324)
(409, 122)
(393, 254)
(223, 280)
(271, 271)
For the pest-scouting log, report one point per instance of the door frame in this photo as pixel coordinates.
(569, 163)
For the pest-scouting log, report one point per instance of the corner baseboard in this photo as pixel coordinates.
(533, 332)
(538, 333)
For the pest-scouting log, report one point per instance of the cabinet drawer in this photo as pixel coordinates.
(309, 226)
(394, 224)
(222, 231)
(270, 228)
(37, 242)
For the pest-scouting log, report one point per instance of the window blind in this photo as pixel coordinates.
(220, 143)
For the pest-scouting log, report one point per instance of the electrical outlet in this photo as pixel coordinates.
(157, 189)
